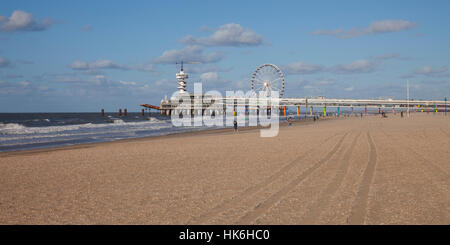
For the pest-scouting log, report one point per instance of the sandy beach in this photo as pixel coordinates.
(343, 171)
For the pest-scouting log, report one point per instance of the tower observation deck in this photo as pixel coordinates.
(181, 76)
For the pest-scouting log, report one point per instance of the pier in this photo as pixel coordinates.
(199, 104)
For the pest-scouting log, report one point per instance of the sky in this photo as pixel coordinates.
(82, 56)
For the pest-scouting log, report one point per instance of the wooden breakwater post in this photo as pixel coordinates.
(125, 112)
(103, 112)
(120, 112)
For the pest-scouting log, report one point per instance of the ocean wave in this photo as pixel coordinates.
(120, 125)
(11, 126)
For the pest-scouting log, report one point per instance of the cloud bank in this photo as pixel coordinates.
(23, 21)
(227, 35)
(99, 64)
(193, 53)
(376, 27)
(358, 66)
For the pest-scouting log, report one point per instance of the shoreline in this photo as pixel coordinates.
(201, 132)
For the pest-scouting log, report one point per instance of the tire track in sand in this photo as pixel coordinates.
(263, 206)
(251, 190)
(317, 207)
(428, 163)
(359, 209)
(443, 131)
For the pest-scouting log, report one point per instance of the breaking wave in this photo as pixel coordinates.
(117, 124)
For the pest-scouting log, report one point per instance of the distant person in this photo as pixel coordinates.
(235, 126)
(314, 118)
(401, 113)
(361, 114)
(289, 121)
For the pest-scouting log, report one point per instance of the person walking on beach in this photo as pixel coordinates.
(235, 126)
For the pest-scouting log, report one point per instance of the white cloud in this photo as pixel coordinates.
(146, 68)
(429, 70)
(325, 81)
(99, 64)
(127, 83)
(106, 64)
(23, 21)
(188, 54)
(351, 88)
(4, 62)
(227, 35)
(66, 79)
(302, 68)
(209, 76)
(100, 77)
(79, 65)
(389, 26)
(195, 69)
(24, 83)
(375, 27)
(358, 66)
(74, 79)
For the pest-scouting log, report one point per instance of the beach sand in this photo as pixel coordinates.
(345, 171)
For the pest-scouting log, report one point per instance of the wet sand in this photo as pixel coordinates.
(344, 171)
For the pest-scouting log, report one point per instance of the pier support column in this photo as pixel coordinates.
(445, 107)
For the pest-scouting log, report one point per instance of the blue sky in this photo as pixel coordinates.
(75, 56)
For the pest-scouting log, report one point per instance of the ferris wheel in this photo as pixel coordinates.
(267, 78)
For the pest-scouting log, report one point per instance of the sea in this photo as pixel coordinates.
(22, 131)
